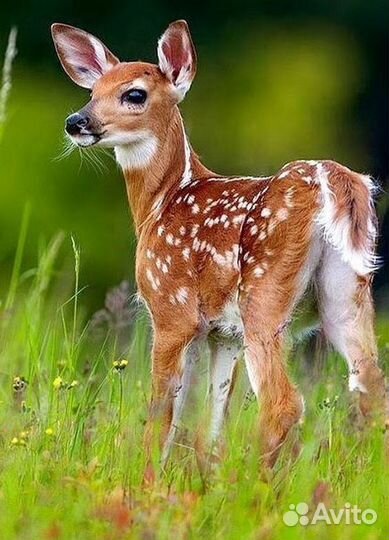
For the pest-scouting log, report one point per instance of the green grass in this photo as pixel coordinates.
(71, 455)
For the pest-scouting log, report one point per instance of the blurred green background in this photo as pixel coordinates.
(277, 81)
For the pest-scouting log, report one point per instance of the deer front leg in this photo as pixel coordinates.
(224, 356)
(169, 388)
(180, 394)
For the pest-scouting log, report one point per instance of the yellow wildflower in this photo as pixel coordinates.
(18, 442)
(119, 365)
(19, 384)
(58, 383)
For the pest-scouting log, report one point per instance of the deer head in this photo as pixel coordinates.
(132, 103)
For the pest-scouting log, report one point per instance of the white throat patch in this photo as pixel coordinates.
(137, 154)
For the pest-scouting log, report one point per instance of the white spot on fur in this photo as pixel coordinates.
(196, 244)
(265, 212)
(155, 282)
(307, 179)
(238, 219)
(182, 295)
(273, 222)
(282, 214)
(258, 271)
(229, 259)
(195, 230)
(288, 198)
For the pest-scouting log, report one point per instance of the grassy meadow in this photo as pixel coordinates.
(73, 403)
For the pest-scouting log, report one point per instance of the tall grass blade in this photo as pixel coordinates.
(18, 258)
(6, 83)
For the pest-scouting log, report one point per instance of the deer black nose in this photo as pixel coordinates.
(75, 122)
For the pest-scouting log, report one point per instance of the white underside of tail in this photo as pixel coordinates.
(338, 232)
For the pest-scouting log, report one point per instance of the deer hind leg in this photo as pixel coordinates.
(281, 404)
(224, 356)
(268, 294)
(348, 321)
(265, 313)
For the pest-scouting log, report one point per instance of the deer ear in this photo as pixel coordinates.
(177, 57)
(83, 57)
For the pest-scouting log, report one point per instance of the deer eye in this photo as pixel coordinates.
(135, 96)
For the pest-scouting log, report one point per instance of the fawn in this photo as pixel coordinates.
(226, 258)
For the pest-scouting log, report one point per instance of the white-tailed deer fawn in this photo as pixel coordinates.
(226, 256)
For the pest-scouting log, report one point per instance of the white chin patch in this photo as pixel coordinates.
(133, 150)
(84, 140)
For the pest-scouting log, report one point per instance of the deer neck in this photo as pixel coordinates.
(156, 167)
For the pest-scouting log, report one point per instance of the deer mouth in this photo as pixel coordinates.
(86, 139)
